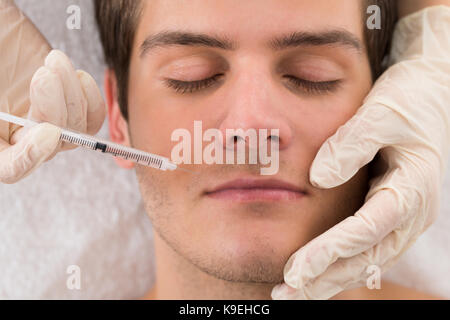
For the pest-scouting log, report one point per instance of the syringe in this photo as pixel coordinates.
(94, 143)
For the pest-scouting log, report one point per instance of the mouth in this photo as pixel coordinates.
(249, 190)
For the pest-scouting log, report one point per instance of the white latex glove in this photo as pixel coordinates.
(57, 95)
(406, 118)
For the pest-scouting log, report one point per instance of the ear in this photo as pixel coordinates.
(118, 126)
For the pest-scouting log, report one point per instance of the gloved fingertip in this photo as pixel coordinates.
(292, 278)
(41, 72)
(323, 177)
(45, 139)
(85, 78)
(285, 292)
(323, 172)
(92, 92)
(279, 292)
(276, 293)
(319, 182)
(54, 56)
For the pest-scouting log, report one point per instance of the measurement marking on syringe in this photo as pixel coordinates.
(116, 151)
(78, 141)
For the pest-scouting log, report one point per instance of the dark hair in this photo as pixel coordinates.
(117, 21)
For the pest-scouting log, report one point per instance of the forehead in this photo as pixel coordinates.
(250, 21)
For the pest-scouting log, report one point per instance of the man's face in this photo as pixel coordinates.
(246, 235)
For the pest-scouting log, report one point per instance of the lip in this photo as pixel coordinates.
(248, 190)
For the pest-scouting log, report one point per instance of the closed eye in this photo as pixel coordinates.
(313, 87)
(307, 86)
(192, 86)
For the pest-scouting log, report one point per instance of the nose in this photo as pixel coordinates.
(252, 102)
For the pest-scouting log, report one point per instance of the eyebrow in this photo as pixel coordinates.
(339, 37)
(333, 37)
(171, 38)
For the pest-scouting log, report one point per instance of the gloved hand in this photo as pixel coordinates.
(56, 94)
(406, 118)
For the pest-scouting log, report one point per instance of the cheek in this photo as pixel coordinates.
(152, 121)
(326, 117)
(321, 118)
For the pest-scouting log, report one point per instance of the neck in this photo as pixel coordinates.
(178, 279)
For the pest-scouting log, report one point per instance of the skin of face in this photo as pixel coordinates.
(233, 242)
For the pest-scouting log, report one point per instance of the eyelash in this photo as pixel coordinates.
(192, 86)
(314, 88)
(310, 87)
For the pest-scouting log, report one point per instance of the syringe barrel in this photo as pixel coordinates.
(77, 139)
(117, 150)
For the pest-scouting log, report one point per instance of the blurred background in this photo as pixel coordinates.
(81, 209)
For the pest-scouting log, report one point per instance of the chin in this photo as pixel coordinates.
(258, 258)
(264, 267)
